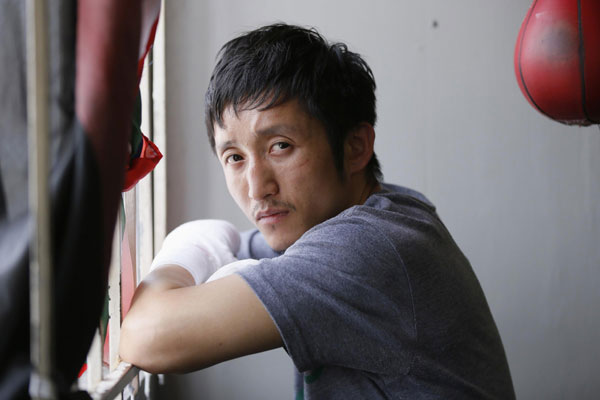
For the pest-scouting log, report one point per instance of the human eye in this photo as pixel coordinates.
(280, 146)
(233, 158)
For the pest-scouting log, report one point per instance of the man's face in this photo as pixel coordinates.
(280, 170)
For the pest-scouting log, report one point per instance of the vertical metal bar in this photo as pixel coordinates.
(41, 386)
(146, 376)
(144, 210)
(159, 102)
(129, 252)
(114, 297)
(130, 199)
(145, 245)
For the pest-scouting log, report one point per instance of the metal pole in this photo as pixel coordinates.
(40, 269)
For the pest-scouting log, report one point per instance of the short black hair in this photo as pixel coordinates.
(276, 63)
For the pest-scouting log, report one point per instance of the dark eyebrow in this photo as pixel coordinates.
(223, 146)
(277, 129)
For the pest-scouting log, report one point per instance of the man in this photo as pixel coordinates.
(358, 280)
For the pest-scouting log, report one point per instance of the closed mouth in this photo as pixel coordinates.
(271, 215)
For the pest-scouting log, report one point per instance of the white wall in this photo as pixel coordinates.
(519, 192)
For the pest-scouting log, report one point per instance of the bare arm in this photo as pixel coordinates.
(173, 326)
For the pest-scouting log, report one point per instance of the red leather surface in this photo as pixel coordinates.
(141, 166)
(557, 59)
(108, 37)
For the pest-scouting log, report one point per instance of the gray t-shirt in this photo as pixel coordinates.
(380, 303)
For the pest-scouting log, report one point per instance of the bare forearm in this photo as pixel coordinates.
(171, 328)
(142, 333)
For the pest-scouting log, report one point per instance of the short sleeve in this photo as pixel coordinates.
(254, 246)
(340, 296)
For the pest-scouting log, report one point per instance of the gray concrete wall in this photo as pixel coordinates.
(519, 192)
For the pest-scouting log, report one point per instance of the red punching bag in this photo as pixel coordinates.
(557, 59)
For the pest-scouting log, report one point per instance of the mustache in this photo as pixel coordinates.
(272, 203)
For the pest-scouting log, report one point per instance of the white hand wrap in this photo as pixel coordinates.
(201, 247)
(232, 268)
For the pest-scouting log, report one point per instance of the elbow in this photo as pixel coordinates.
(132, 347)
(138, 346)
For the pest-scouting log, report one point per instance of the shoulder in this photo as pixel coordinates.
(394, 215)
(393, 230)
(352, 242)
(352, 233)
(397, 202)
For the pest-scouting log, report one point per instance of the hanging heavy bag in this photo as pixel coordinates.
(557, 60)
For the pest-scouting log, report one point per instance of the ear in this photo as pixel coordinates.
(358, 148)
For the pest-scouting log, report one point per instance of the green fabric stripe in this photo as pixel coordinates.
(314, 375)
(136, 123)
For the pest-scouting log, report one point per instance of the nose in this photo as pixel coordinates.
(261, 180)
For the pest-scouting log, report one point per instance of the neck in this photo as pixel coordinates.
(364, 187)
